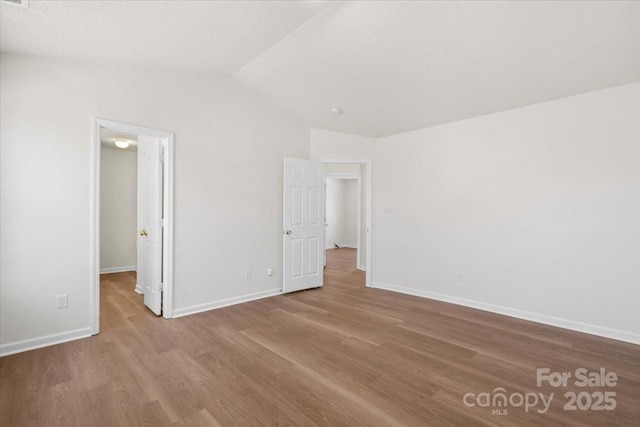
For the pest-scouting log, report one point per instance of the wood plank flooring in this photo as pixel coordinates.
(341, 355)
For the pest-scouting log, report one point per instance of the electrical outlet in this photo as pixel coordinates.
(247, 273)
(62, 301)
(269, 271)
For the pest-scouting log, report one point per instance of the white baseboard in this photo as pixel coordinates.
(180, 312)
(362, 268)
(44, 341)
(573, 325)
(138, 289)
(118, 269)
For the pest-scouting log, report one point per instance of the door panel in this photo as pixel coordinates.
(313, 255)
(303, 235)
(150, 234)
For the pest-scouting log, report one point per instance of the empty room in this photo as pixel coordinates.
(319, 213)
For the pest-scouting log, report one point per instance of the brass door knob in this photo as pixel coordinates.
(143, 232)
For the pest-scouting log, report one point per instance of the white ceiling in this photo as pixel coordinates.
(391, 66)
(399, 66)
(216, 36)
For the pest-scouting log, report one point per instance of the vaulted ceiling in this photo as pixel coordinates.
(391, 66)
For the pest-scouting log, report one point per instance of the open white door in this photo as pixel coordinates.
(303, 238)
(150, 234)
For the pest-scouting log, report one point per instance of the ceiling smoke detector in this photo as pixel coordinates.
(336, 111)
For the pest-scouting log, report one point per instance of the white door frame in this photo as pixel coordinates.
(167, 214)
(368, 202)
(358, 178)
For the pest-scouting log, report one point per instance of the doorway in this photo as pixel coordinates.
(118, 201)
(358, 171)
(142, 156)
(343, 216)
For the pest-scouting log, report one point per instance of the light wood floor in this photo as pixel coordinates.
(340, 355)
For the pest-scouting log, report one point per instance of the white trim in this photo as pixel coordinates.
(138, 289)
(573, 325)
(94, 287)
(167, 225)
(117, 269)
(369, 258)
(167, 139)
(346, 161)
(44, 341)
(199, 308)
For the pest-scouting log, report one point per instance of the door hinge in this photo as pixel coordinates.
(163, 287)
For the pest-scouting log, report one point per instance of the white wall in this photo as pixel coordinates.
(342, 218)
(334, 195)
(229, 145)
(118, 209)
(349, 238)
(531, 212)
(329, 145)
(341, 169)
(537, 208)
